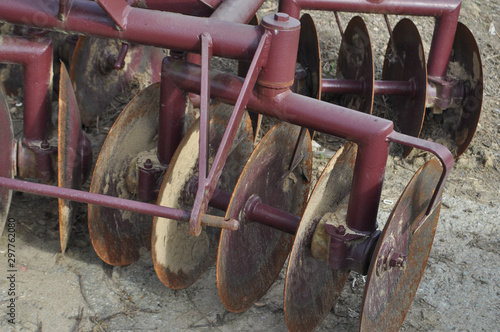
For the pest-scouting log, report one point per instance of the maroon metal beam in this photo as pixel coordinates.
(442, 43)
(287, 106)
(237, 11)
(391, 7)
(151, 27)
(372, 134)
(36, 58)
(256, 211)
(446, 12)
(112, 202)
(407, 88)
(186, 7)
(357, 87)
(368, 131)
(92, 198)
(171, 117)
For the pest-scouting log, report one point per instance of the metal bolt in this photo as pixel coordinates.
(148, 164)
(340, 230)
(44, 145)
(281, 17)
(177, 55)
(397, 261)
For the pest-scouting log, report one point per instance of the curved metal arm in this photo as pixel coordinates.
(442, 153)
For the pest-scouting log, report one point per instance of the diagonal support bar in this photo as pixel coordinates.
(206, 56)
(207, 186)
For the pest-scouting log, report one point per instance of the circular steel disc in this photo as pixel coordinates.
(466, 54)
(97, 84)
(311, 286)
(117, 235)
(7, 146)
(69, 156)
(390, 290)
(180, 258)
(250, 259)
(309, 57)
(355, 62)
(407, 63)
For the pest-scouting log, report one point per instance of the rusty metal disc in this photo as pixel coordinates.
(180, 258)
(465, 54)
(69, 158)
(95, 80)
(309, 58)
(355, 62)
(117, 236)
(401, 254)
(7, 162)
(250, 259)
(405, 62)
(311, 286)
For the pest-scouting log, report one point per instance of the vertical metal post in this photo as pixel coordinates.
(442, 43)
(172, 109)
(36, 57)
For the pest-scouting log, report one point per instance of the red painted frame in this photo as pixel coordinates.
(270, 96)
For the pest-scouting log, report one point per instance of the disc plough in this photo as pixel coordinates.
(179, 173)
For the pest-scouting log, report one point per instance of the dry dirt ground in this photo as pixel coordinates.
(460, 289)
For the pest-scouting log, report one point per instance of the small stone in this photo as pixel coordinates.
(488, 160)
(117, 271)
(465, 163)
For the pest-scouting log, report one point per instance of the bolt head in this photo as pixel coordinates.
(397, 261)
(45, 145)
(341, 230)
(281, 17)
(148, 164)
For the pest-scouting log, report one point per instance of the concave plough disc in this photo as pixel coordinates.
(355, 62)
(250, 259)
(117, 235)
(401, 254)
(405, 62)
(311, 286)
(309, 58)
(69, 154)
(180, 258)
(7, 146)
(465, 65)
(95, 80)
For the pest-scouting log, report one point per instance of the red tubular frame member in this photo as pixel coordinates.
(236, 41)
(372, 134)
(446, 12)
(148, 27)
(36, 58)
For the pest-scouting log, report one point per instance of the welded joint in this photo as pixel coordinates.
(444, 93)
(36, 159)
(64, 8)
(118, 11)
(341, 248)
(211, 3)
